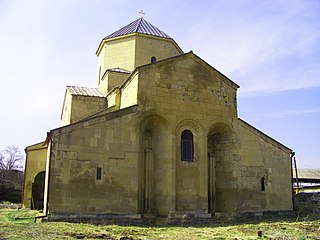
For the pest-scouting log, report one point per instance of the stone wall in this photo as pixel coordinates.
(84, 106)
(150, 46)
(110, 80)
(129, 93)
(77, 107)
(262, 157)
(185, 87)
(115, 53)
(192, 96)
(94, 166)
(307, 203)
(36, 156)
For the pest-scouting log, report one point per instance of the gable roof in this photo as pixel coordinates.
(262, 134)
(36, 146)
(139, 26)
(95, 118)
(81, 91)
(184, 55)
(85, 91)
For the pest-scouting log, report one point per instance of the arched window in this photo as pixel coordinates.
(187, 146)
(153, 59)
(263, 184)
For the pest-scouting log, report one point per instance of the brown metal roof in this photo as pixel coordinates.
(308, 174)
(85, 91)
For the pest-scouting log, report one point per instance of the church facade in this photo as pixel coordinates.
(159, 136)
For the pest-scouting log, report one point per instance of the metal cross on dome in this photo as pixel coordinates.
(142, 13)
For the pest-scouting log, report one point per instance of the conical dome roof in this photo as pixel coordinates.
(139, 26)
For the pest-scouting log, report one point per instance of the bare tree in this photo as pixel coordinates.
(11, 161)
(11, 158)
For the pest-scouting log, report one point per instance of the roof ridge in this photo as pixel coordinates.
(138, 25)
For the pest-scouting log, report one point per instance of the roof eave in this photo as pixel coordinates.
(92, 117)
(235, 85)
(104, 40)
(265, 135)
(64, 101)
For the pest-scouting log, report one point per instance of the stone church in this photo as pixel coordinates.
(158, 137)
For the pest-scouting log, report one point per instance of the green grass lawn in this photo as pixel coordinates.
(20, 224)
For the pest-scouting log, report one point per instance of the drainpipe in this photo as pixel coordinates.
(47, 177)
(292, 182)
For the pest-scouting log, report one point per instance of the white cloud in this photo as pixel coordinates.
(275, 79)
(293, 112)
(255, 118)
(249, 47)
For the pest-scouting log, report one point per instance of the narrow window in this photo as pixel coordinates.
(263, 185)
(153, 59)
(99, 75)
(187, 146)
(98, 173)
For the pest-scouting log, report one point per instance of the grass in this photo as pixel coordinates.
(20, 225)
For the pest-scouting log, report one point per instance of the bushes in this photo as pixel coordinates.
(11, 186)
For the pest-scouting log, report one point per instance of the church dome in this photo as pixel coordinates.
(139, 26)
(135, 44)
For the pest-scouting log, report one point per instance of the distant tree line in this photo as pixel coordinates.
(11, 174)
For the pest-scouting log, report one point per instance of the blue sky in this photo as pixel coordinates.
(270, 48)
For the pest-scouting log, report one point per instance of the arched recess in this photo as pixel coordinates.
(189, 172)
(38, 191)
(221, 183)
(155, 165)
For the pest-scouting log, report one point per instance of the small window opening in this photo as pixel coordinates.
(263, 184)
(98, 173)
(187, 146)
(153, 59)
(99, 75)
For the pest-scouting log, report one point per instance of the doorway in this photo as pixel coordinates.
(37, 198)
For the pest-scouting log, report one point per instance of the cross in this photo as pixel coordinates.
(142, 13)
